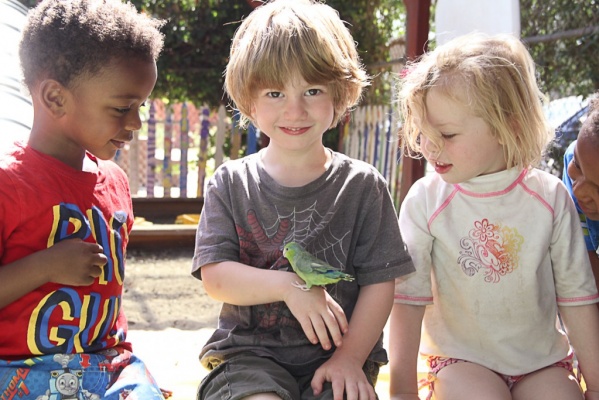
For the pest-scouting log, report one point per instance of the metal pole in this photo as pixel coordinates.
(418, 25)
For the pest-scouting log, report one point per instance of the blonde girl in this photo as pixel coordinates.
(496, 242)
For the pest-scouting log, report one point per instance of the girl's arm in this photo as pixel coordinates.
(582, 327)
(594, 259)
(404, 342)
(242, 285)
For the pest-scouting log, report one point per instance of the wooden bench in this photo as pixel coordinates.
(161, 229)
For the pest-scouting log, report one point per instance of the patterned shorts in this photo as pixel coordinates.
(437, 363)
(114, 374)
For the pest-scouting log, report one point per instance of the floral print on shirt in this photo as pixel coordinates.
(492, 248)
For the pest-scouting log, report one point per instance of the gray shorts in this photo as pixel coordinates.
(246, 374)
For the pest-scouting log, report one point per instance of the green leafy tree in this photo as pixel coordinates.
(198, 34)
(563, 38)
(374, 24)
(197, 38)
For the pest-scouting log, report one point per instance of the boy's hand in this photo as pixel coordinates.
(75, 262)
(319, 315)
(346, 377)
(591, 395)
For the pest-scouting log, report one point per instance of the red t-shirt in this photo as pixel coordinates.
(42, 202)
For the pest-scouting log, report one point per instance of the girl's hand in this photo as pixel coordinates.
(318, 314)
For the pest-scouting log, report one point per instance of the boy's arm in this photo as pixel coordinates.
(239, 284)
(21, 277)
(344, 368)
(69, 262)
(404, 341)
(582, 325)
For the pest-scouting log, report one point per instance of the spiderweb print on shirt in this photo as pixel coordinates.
(262, 246)
(308, 224)
(491, 247)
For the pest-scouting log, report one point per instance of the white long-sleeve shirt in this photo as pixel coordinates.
(494, 257)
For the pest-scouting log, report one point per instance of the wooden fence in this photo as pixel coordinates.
(180, 145)
(371, 136)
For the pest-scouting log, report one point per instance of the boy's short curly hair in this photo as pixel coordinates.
(590, 126)
(495, 76)
(63, 40)
(285, 37)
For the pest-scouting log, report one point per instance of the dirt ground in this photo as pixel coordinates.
(170, 317)
(160, 292)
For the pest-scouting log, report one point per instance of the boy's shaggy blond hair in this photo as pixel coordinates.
(283, 38)
(496, 74)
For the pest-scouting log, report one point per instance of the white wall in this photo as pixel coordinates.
(458, 17)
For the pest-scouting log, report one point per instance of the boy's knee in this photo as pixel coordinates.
(249, 377)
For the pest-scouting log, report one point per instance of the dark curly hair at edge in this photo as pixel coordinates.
(63, 40)
(591, 125)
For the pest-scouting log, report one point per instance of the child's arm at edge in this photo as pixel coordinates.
(582, 327)
(404, 341)
(239, 284)
(344, 368)
(594, 259)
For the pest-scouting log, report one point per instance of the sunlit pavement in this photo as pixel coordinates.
(172, 357)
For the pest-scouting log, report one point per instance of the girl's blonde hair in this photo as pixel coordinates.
(496, 74)
(282, 38)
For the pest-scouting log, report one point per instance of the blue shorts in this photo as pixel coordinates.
(111, 374)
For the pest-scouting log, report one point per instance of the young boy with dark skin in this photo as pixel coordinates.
(581, 177)
(294, 72)
(66, 211)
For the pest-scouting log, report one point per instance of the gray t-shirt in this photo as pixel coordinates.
(345, 217)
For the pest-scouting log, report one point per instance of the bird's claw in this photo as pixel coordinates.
(298, 285)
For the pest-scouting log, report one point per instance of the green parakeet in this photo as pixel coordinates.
(312, 270)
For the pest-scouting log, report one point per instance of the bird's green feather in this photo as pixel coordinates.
(311, 269)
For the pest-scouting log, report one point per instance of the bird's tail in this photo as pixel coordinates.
(344, 276)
